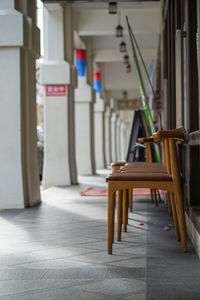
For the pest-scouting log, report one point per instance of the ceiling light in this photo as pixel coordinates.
(126, 59)
(125, 94)
(122, 47)
(128, 68)
(112, 8)
(119, 31)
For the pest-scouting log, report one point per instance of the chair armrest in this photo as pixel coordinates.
(145, 140)
(178, 134)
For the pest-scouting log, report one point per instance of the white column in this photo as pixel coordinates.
(56, 71)
(108, 135)
(118, 138)
(69, 57)
(122, 142)
(19, 46)
(99, 133)
(127, 139)
(84, 107)
(113, 137)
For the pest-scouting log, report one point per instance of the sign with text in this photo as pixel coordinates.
(55, 90)
(129, 104)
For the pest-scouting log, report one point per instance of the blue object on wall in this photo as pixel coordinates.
(81, 62)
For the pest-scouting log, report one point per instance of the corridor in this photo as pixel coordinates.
(58, 250)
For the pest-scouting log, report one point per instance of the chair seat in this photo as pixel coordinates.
(144, 167)
(144, 164)
(125, 176)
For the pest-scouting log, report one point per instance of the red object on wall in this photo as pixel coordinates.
(96, 76)
(80, 54)
(53, 90)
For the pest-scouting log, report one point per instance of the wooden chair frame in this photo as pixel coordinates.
(173, 187)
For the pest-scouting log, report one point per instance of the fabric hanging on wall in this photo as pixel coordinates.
(81, 62)
(97, 82)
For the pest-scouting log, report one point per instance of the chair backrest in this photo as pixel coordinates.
(169, 139)
(147, 142)
(178, 134)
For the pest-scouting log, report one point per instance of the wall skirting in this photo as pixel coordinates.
(193, 234)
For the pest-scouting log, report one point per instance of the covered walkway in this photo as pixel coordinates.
(78, 85)
(58, 250)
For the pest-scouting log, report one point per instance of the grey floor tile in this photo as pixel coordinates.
(136, 296)
(61, 293)
(115, 287)
(58, 250)
(133, 262)
(10, 287)
(21, 274)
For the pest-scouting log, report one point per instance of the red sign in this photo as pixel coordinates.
(55, 90)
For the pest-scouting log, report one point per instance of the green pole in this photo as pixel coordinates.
(146, 109)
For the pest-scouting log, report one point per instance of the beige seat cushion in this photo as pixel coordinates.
(125, 176)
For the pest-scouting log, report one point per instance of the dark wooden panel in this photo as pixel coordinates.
(192, 72)
(173, 65)
(178, 14)
(169, 96)
(193, 153)
(194, 182)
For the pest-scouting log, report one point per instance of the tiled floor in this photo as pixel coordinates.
(59, 251)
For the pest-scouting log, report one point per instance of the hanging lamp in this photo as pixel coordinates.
(122, 47)
(125, 94)
(119, 28)
(119, 31)
(112, 8)
(126, 59)
(128, 68)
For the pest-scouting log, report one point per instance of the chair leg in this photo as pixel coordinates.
(152, 200)
(169, 204)
(119, 215)
(155, 198)
(124, 211)
(115, 194)
(130, 200)
(127, 205)
(181, 217)
(175, 217)
(111, 211)
(158, 193)
(178, 193)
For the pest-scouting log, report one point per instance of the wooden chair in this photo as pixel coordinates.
(142, 168)
(149, 158)
(157, 168)
(169, 181)
(124, 200)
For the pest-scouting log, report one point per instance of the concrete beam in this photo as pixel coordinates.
(95, 23)
(145, 41)
(115, 56)
(114, 72)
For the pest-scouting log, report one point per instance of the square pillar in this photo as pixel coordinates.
(19, 47)
(118, 138)
(113, 137)
(108, 135)
(58, 76)
(99, 133)
(84, 107)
